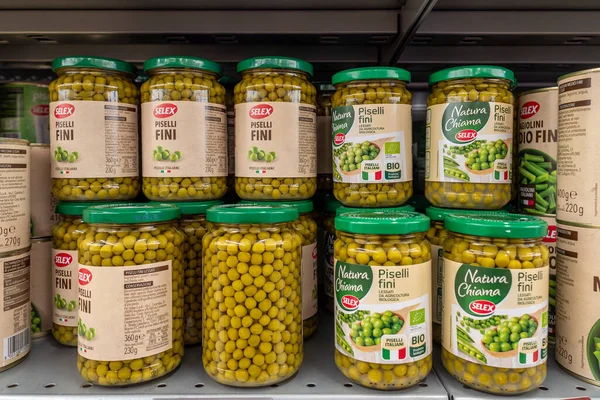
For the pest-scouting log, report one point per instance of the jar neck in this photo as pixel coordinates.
(192, 218)
(367, 82)
(181, 71)
(501, 83)
(141, 226)
(282, 71)
(437, 224)
(486, 239)
(93, 71)
(375, 239)
(253, 228)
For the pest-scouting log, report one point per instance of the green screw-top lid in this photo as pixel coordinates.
(275, 62)
(303, 206)
(131, 213)
(252, 214)
(439, 214)
(93, 62)
(76, 208)
(382, 222)
(344, 209)
(510, 226)
(472, 71)
(359, 74)
(182, 62)
(193, 207)
(332, 204)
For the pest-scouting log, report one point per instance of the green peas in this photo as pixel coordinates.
(36, 320)
(182, 189)
(366, 332)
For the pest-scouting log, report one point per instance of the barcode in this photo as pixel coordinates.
(15, 344)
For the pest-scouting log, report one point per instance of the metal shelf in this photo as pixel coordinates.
(50, 372)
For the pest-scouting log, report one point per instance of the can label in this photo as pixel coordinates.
(469, 142)
(495, 316)
(324, 150)
(15, 317)
(41, 287)
(578, 152)
(309, 281)
(93, 139)
(550, 241)
(382, 313)
(139, 321)
(15, 186)
(577, 316)
(372, 143)
(24, 112)
(538, 131)
(184, 138)
(64, 287)
(275, 139)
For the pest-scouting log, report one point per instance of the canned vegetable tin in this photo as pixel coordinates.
(495, 294)
(24, 111)
(41, 287)
(131, 268)
(15, 185)
(252, 292)
(469, 150)
(44, 202)
(577, 316)
(15, 316)
(94, 129)
(383, 298)
(538, 131)
(436, 236)
(275, 130)
(184, 130)
(372, 137)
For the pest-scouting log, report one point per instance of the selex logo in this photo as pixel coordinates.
(482, 307)
(261, 111)
(529, 109)
(314, 253)
(468, 135)
(64, 110)
(85, 276)
(40, 110)
(551, 235)
(62, 260)
(350, 302)
(339, 139)
(165, 110)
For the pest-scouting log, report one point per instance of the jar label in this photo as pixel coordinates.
(324, 150)
(538, 132)
(231, 141)
(184, 139)
(41, 287)
(469, 142)
(275, 140)
(65, 265)
(382, 313)
(495, 316)
(577, 314)
(436, 282)
(578, 149)
(15, 217)
(309, 280)
(372, 143)
(15, 316)
(126, 312)
(93, 139)
(329, 263)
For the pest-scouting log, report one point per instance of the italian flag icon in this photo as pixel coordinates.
(529, 358)
(394, 354)
(372, 176)
(501, 175)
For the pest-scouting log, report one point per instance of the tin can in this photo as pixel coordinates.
(41, 288)
(14, 194)
(577, 314)
(43, 204)
(24, 111)
(15, 318)
(538, 132)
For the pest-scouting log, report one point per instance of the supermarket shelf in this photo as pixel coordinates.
(50, 372)
(558, 385)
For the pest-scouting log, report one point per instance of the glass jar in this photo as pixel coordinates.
(275, 158)
(252, 333)
(65, 234)
(182, 96)
(229, 83)
(94, 160)
(382, 298)
(331, 206)
(131, 268)
(194, 226)
(436, 236)
(495, 311)
(324, 161)
(306, 227)
(372, 137)
(470, 133)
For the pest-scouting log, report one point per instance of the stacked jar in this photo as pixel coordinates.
(94, 125)
(495, 303)
(252, 308)
(382, 298)
(184, 130)
(131, 293)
